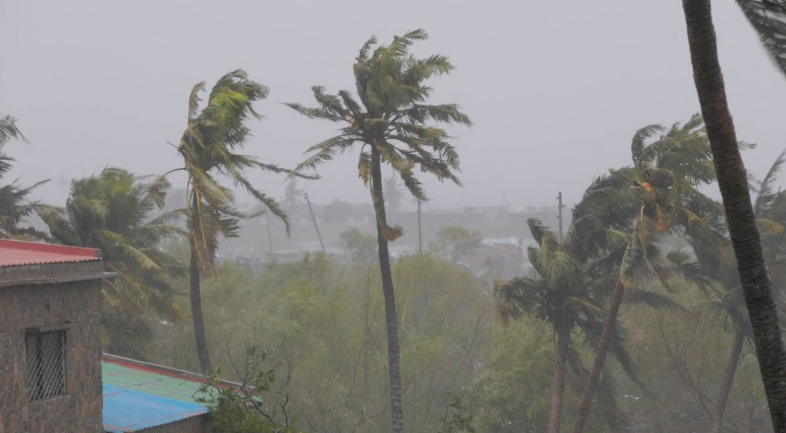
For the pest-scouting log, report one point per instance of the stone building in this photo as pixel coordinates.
(50, 357)
(53, 376)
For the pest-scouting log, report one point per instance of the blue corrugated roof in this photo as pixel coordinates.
(127, 411)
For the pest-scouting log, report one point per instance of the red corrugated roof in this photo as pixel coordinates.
(18, 253)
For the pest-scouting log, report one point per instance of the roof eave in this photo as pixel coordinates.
(51, 273)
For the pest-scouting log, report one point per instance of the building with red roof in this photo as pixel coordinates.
(51, 365)
(50, 356)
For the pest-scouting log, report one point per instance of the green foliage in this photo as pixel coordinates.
(113, 212)
(240, 407)
(456, 418)
(323, 325)
(209, 147)
(513, 391)
(360, 247)
(391, 120)
(454, 241)
(684, 355)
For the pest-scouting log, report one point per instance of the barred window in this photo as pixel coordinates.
(45, 365)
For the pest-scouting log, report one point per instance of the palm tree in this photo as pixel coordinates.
(393, 195)
(208, 148)
(390, 125)
(767, 18)
(111, 212)
(665, 178)
(292, 196)
(14, 203)
(568, 293)
(715, 261)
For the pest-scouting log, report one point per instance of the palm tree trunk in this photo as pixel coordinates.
(196, 314)
(391, 319)
(600, 358)
(728, 380)
(558, 385)
(743, 230)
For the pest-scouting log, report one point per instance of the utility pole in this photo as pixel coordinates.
(420, 231)
(559, 214)
(315, 224)
(269, 236)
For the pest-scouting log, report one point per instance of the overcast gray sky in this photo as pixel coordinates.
(556, 89)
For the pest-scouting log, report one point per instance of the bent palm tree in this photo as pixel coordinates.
(111, 212)
(767, 18)
(567, 292)
(714, 259)
(389, 123)
(208, 148)
(665, 178)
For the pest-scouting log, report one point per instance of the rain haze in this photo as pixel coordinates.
(608, 262)
(555, 90)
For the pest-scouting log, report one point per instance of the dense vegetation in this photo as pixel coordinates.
(657, 310)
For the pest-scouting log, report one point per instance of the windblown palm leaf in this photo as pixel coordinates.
(768, 17)
(665, 179)
(564, 292)
(209, 148)
(391, 122)
(111, 212)
(15, 205)
(9, 129)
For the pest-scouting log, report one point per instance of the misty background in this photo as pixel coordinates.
(555, 90)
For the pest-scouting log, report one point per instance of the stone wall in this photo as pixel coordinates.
(195, 424)
(30, 306)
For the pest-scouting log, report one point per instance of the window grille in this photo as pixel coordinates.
(45, 365)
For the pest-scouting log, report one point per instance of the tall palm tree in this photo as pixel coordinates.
(665, 178)
(15, 205)
(112, 212)
(767, 17)
(715, 261)
(209, 148)
(390, 124)
(393, 194)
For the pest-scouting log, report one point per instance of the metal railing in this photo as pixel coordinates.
(46, 366)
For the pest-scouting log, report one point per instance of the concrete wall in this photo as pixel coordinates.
(195, 424)
(29, 306)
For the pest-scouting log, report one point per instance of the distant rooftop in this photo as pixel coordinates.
(140, 395)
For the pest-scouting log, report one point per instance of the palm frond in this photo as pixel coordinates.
(766, 196)
(194, 100)
(9, 129)
(638, 141)
(515, 297)
(768, 17)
